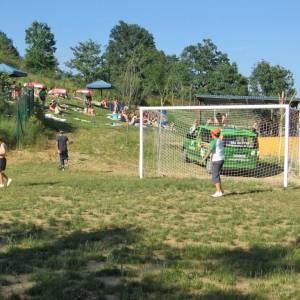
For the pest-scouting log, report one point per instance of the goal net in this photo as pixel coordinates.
(260, 141)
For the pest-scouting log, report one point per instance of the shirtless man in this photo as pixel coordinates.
(3, 150)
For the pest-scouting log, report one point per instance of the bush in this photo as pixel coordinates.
(34, 130)
(8, 130)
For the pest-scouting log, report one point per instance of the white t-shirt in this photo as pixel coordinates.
(217, 147)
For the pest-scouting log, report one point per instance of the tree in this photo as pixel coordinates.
(267, 80)
(200, 60)
(41, 48)
(87, 60)
(161, 76)
(8, 53)
(226, 80)
(126, 41)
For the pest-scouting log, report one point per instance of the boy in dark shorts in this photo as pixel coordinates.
(3, 150)
(62, 149)
(216, 150)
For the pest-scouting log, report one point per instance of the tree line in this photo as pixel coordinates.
(139, 70)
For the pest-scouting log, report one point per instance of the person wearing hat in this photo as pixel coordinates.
(62, 149)
(216, 150)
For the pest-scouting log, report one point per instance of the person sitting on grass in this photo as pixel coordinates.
(124, 115)
(104, 103)
(89, 111)
(134, 118)
(54, 107)
(216, 150)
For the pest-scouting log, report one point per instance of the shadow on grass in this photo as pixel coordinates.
(92, 265)
(248, 192)
(56, 125)
(153, 289)
(259, 261)
(75, 105)
(46, 183)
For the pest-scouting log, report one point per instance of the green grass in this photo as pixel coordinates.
(96, 231)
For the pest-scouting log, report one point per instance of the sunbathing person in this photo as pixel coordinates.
(54, 107)
(104, 103)
(124, 115)
(89, 111)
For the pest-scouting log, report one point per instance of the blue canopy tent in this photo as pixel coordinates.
(100, 85)
(11, 71)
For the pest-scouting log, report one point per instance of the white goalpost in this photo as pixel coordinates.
(260, 141)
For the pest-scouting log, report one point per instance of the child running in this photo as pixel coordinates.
(3, 150)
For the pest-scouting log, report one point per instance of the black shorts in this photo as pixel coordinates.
(64, 155)
(2, 164)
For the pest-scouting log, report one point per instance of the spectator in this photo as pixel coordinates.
(124, 115)
(54, 107)
(116, 105)
(43, 95)
(104, 103)
(192, 131)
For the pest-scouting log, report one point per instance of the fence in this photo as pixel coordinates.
(25, 108)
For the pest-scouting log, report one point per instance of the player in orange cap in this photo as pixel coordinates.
(216, 150)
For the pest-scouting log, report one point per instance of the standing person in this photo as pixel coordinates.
(3, 150)
(43, 95)
(62, 149)
(216, 149)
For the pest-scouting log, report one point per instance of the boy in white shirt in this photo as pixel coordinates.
(216, 149)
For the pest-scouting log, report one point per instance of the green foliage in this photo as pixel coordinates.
(127, 42)
(226, 80)
(268, 80)
(41, 48)
(209, 70)
(87, 60)
(8, 52)
(34, 129)
(200, 60)
(5, 81)
(162, 75)
(8, 129)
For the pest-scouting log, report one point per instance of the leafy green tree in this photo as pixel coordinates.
(201, 59)
(8, 52)
(39, 55)
(226, 80)
(127, 42)
(161, 76)
(87, 60)
(207, 70)
(268, 80)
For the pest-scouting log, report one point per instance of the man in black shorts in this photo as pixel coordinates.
(62, 149)
(3, 150)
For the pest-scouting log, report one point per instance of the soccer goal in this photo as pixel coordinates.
(260, 141)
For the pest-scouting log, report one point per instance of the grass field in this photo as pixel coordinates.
(96, 231)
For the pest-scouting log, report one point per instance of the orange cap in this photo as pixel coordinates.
(216, 131)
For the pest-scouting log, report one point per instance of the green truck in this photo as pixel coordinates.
(241, 147)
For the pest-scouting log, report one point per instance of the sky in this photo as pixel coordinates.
(247, 30)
